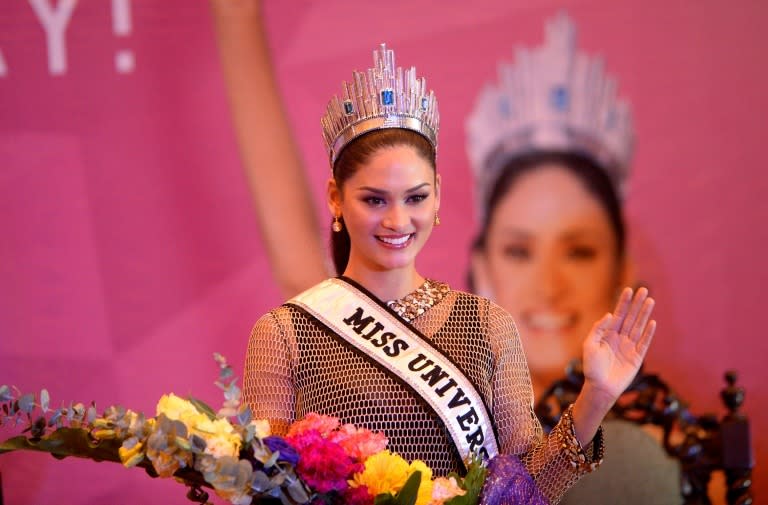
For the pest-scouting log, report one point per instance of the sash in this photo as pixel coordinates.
(386, 340)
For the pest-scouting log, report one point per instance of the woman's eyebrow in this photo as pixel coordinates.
(383, 191)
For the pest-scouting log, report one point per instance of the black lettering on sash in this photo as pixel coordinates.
(397, 346)
(475, 439)
(358, 321)
(468, 418)
(443, 389)
(383, 338)
(459, 399)
(435, 375)
(483, 453)
(414, 363)
(376, 328)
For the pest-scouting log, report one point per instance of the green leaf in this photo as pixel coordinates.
(91, 414)
(244, 416)
(203, 408)
(260, 482)
(77, 442)
(27, 403)
(410, 491)
(272, 459)
(45, 400)
(55, 417)
(38, 427)
(297, 492)
(384, 499)
(472, 484)
(67, 442)
(225, 373)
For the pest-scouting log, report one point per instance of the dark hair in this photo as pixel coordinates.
(594, 178)
(355, 155)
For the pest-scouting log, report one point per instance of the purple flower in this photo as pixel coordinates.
(508, 482)
(287, 452)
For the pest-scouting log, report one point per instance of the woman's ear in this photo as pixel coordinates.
(479, 277)
(333, 195)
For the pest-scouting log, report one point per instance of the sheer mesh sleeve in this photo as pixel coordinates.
(555, 461)
(268, 380)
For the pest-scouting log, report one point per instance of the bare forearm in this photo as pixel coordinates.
(272, 164)
(589, 410)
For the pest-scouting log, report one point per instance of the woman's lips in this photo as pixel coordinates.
(549, 321)
(395, 241)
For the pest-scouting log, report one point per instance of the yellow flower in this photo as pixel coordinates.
(219, 435)
(103, 434)
(425, 488)
(179, 409)
(131, 453)
(384, 473)
(220, 438)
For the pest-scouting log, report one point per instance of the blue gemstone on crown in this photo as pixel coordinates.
(424, 103)
(387, 97)
(559, 98)
(349, 109)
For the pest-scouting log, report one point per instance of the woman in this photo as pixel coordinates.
(552, 242)
(552, 251)
(441, 372)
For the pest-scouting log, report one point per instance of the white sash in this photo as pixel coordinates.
(387, 340)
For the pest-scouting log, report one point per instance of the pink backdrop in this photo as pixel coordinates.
(130, 252)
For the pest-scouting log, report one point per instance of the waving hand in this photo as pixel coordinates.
(617, 344)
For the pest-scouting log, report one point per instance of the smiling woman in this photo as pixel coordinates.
(551, 251)
(440, 371)
(390, 207)
(551, 152)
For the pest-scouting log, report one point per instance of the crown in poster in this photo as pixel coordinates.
(384, 96)
(552, 98)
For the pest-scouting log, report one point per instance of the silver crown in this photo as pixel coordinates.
(552, 99)
(383, 97)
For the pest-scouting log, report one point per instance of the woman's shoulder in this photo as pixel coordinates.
(276, 318)
(286, 309)
(487, 309)
(489, 306)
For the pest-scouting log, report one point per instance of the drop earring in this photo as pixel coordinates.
(437, 219)
(336, 226)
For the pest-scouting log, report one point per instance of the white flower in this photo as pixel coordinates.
(262, 428)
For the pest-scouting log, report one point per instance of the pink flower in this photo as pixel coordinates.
(324, 425)
(357, 496)
(444, 489)
(323, 465)
(359, 443)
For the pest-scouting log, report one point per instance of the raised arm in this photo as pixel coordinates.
(268, 152)
(613, 353)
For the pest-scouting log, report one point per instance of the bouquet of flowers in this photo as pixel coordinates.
(319, 460)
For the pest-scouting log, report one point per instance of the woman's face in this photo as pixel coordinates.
(551, 261)
(389, 208)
